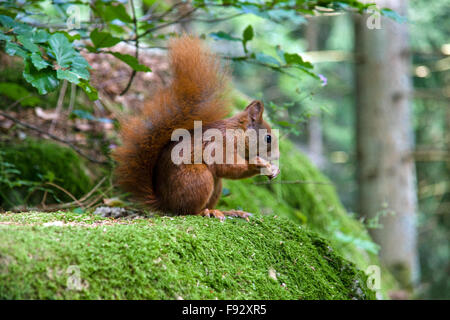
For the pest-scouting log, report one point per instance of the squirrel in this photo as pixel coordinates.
(197, 92)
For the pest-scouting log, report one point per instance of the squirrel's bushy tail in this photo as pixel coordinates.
(196, 92)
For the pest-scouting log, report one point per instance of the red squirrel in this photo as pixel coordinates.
(197, 92)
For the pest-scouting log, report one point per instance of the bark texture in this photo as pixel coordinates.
(314, 127)
(386, 171)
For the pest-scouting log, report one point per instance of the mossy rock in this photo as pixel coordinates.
(37, 162)
(42, 254)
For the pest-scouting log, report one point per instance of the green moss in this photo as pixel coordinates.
(168, 258)
(38, 162)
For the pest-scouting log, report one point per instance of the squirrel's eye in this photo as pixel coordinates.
(268, 139)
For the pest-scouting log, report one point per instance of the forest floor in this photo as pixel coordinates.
(65, 255)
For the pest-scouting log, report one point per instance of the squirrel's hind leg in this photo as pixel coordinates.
(217, 193)
(223, 214)
(210, 212)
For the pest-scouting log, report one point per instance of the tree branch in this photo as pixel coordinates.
(161, 26)
(133, 74)
(292, 182)
(31, 127)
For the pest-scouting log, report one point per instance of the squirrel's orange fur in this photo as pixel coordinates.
(197, 92)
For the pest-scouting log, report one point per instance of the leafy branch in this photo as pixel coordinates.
(133, 73)
(50, 57)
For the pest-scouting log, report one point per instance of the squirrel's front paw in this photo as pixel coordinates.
(267, 169)
(274, 172)
(262, 163)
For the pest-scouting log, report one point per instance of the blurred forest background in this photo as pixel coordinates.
(363, 91)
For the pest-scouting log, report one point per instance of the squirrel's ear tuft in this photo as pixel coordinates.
(255, 111)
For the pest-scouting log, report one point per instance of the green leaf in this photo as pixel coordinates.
(102, 39)
(18, 27)
(80, 66)
(62, 49)
(28, 43)
(110, 12)
(44, 80)
(393, 15)
(295, 59)
(90, 91)
(223, 36)
(74, 66)
(38, 61)
(7, 22)
(91, 49)
(23, 29)
(131, 61)
(83, 114)
(4, 37)
(40, 36)
(69, 37)
(264, 58)
(247, 35)
(67, 75)
(14, 49)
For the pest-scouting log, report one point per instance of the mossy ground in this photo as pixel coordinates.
(168, 258)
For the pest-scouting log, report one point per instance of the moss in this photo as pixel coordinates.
(38, 162)
(167, 258)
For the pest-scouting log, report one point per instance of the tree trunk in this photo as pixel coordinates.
(314, 127)
(386, 171)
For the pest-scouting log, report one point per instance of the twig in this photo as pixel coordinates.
(162, 16)
(133, 74)
(44, 198)
(73, 91)
(81, 200)
(66, 192)
(161, 26)
(248, 60)
(87, 195)
(97, 199)
(62, 94)
(214, 20)
(31, 127)
(17, 102)
(292, 182)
